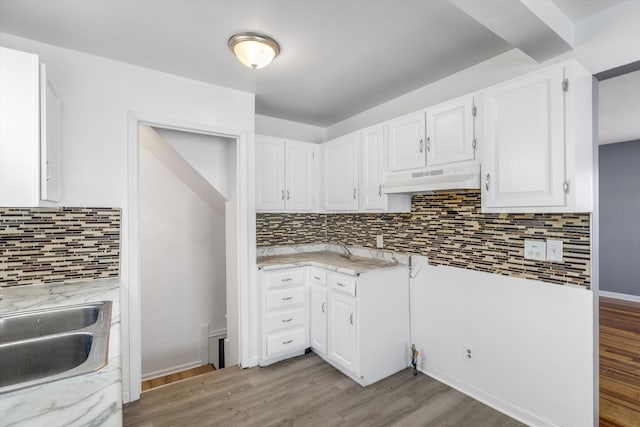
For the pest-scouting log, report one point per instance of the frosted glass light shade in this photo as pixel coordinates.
(254, 50)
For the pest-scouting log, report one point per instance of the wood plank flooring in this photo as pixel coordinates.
(177, 376)
(306, 391)
(619, 363)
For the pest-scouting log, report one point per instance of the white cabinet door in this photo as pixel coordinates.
(50, 142)
(406, 142)
(299, 188)
(19, 128)
(450, 132)
(341, 173)
(372, 169)
(270, 171)
(524, 153)
(342, 330)
(318, 318)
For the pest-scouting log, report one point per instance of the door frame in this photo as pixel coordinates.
(241, 295)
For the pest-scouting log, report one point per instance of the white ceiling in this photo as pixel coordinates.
(577, 10)
(338, 58)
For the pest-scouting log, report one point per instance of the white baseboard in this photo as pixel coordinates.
(486, 398)
(171, 370)
(625, 297)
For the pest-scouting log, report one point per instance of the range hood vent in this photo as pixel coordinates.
(448, 178)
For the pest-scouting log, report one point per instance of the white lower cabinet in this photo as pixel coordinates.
(343, 344)
(284, 314)
(318, 318)
(367, 323)
(359, 324)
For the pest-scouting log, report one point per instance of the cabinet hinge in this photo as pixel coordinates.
(474, 144)
(313, 154)
(474, 111)
(565, 85)
(565, 186)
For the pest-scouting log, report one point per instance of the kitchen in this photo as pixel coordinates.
(465, 240)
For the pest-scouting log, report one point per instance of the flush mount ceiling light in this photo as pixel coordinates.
(254, 50)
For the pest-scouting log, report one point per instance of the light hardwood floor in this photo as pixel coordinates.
(306, 391)
(619, 363)
(178, 376)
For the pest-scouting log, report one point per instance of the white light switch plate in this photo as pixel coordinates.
(379, 241)
(554, 250)
(535, 249)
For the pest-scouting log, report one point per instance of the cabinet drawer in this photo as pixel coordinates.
(318, 276)
(342, 283)
(285, 297)
(287, 277)
(285, 319)
(285, 342)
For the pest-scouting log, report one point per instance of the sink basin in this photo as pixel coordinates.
(43, 357)
(48, 345)
(39, 323)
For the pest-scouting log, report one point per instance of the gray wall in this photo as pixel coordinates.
(620, 217)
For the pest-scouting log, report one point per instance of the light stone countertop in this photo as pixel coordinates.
(93, 399)
(329, 260)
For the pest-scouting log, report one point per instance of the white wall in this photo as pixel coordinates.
(610, 38)
(182, 268)
(532, 343)
(288, 129)
(97, 95)
(619, 109)
(210, 155)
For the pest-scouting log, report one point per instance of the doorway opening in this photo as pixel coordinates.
(186, 180)
(618, 247)
(239, 253)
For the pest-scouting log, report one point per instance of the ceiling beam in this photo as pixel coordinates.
(536, 27)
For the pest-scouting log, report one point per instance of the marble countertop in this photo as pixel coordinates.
(329, 260)
(93, 399)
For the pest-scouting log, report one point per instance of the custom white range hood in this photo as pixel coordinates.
(446, 178)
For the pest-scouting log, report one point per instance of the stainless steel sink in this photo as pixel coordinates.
(39, 323)
(48, 345)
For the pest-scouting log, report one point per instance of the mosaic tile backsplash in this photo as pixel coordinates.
(449, 229)
(45, 245)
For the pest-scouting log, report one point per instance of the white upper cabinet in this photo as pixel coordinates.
(299, 176)
(450, 132)
(406, 142)
(372, 168)
(50, 141)
(340, 171)
(538, 142)
(29, 171)
(285, 174)
(270, 173)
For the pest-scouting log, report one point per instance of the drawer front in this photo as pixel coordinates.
(343, 283)
(285, 277)
(281, 298)
(285, 319)
(318, 276)
(285, 342)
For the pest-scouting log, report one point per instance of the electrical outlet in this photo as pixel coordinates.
(468, 353)
(379, 241)
(535, 249)
(554, 250)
